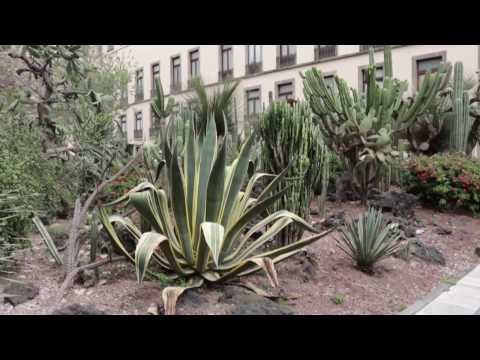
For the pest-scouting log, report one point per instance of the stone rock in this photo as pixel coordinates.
(192, 297)
(442, 230)
(251, 304)
(19, 293)
(399, 203)
(407, 226)
(410, 231)
(308, 265)
(77, 309)
(231, 293)
(418, 249)
(88, 278)
(335, 219)
(477, 251)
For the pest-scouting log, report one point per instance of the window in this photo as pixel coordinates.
(254, 59)
(154, 124)
(226, 62)
(325, 51)
(286, 55)
(110, 47)
(378, 77)
(424, 65)
(139, 85)
(176, 74)
(194, 64)
(138, 131)
(330, 81)
(138, 121)
(123, 123)
(285, 90)
(155, 76)
(253, 102)
(367, 47)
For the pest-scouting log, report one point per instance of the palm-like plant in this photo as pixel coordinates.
(198, 225)
(219, 104)
(369, 239)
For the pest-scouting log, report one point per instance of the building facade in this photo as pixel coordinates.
(265, 72)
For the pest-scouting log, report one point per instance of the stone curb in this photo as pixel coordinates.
(436, 292)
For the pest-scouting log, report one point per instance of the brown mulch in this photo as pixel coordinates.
(394, 285)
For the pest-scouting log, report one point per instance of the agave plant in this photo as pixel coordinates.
(369, 239)
(199, 223)
(219, 104)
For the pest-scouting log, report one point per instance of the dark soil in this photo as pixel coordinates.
(329, 284)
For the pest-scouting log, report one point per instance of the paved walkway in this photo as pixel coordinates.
(461, 299)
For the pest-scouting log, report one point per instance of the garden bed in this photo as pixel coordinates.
(331, 285)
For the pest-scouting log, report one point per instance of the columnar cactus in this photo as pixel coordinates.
(289, 136)
(363, 129)
(460, 124)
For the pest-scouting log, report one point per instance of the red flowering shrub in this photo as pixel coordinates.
(445, 180)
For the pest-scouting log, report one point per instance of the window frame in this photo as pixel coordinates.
(190, 63)
(366, 48)
(329, 74)
(175, 86)
(137, 119)
(278, 84)
(123, 121)
(257, 66)
(139, 96)
(362, 70)
(249, 90)
(286, 60)
(223, 73)
(317, 53)
(423, 57)
(152, 76)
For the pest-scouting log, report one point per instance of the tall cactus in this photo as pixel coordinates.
(362, 129)
(460, 124)
(288, 135)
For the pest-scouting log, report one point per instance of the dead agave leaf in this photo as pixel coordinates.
(170, 296)
(153, 309)
(268, 266)
(277, 293)
(255, 289)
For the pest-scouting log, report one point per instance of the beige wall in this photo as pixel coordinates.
(346, 65)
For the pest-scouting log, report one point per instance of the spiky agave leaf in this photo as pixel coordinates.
(47, 239)
(199, 224)
(369, 239)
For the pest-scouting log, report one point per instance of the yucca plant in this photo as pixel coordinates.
(369, 239)
(198, 225)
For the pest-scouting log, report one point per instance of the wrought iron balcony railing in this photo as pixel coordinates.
(138, 134)
(288, 60)
(323, 52)
(253, 68)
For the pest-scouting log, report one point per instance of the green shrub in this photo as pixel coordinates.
(369, 239)
(43, 185)
(445, 181)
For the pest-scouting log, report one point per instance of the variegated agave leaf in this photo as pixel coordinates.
(199, 221)
(171, 294)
